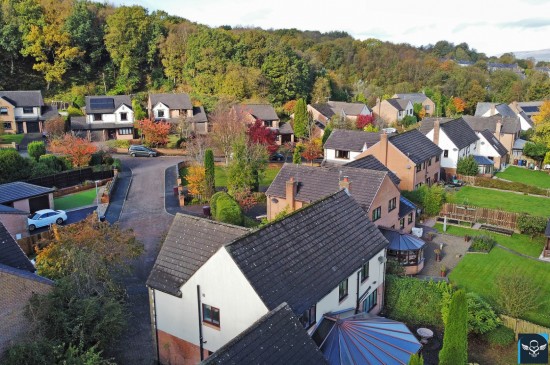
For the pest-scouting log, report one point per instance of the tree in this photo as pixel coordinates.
(467, 166)
(418, 110)
(289, 106)
(536, 151)
(321, 90)
(226, 209)
(455, 338)
(543, 116)
(371, 128)
(139, 113)
(455, 106)
(248, 162)
(363, 121)
(338, 121)
(531, 225)
(36, 149)
(258, 133)
(196, 183)
(210, 177)
(196, 148)
(300, 119)
(517, 294)
(312, 150)
(13, 167)
(228, 125)
(172, 50)
(55, 127)
(297, 155)
(155, 133)
(407, 121)
(78, 150)
(326, 133)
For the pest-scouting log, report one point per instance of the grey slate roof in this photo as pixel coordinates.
(199, 115)
(372, 163)
(118, 100)
(48, 112)
(348, 108)
(324, 109)
(415, 145)
(25, 274)
(529, 107)
(259, 111)
(79, 123)
(478, 124)
(315, 183)
(285, 128)
(501, 109)
(519, 144)
(427, 124)
(346, 140)
(412, 97)
(399, 104)
(19, 190)
(527, 118)
(172, 100)
(11, 254)
(277, 338)
(405, 207)
(490, 137)
(4, 209)
(458, 131)
(23, 98)
(302, 258)
(190, 242)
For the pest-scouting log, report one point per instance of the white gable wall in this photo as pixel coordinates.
(524, 125)
(129, 114)
(485, 148)
(18, 112)
(222, 286)
(161, 107)
(446, 144)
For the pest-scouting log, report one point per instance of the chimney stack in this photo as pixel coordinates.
(290, 193)
(383, 149)
(493, 112)
(436, 132)
(498, 129)
(345, 184)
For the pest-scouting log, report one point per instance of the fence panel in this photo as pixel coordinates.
(473, 214)
(71, 178)
(521, 326)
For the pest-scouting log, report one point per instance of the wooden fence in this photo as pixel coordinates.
(471, 214)
(71, 178)
(521, 326)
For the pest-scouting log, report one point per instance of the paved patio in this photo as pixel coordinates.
(454, 249)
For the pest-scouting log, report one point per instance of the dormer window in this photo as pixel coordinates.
(97, 117)
(342, 154)
(27, 110)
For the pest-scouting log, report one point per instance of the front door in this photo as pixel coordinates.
(111, 134)
(20, 128)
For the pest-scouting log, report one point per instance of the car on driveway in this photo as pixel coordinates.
(277, 157)
(139, 150)
(45, 217)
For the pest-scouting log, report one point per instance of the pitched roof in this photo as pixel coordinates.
(427, 124)
(277, 338)
(482, 160)
(415, 145)
(494, 142)
(458, 131)
(372, 163)
(25, 274)
(106, 104)
(11, 254)
(412, 97)
(4, 209)
(49, 112)
(302, 258)
(315, 183)
(347, 108)
(399, 104)
(527, 118)
(324, 109)
(529, 107)
(346, 140)
(259, 111)
(23, 97)
(79, 123)
(190, 242)
(172, 100)
(501, 109)
(519, 144)
(400, 241)
(405, 207)
(19, 190)
(478, 124)
(199, 115)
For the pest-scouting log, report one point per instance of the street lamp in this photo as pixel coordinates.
(97, 199)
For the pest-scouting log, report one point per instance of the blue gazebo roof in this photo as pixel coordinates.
(400, 241)
(482, 160)
(368, 339)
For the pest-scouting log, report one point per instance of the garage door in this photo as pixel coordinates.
(40, 202)
(32, 127)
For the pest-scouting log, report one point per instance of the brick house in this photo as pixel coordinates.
(393, 110)
(269, 118)
(419, 98)
(24, 111)
(170, 107)
(211, 281)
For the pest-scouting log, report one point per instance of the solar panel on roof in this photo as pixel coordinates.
(102, 103)
(530, 109)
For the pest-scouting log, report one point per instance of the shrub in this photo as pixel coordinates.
(501, 336)
(97, 158)
(117, 164)
(467, 166)
(213, 202)
(74, 111)
(407, 121)
(210, 178)
(40, 169)
(434, 197)
(118, 143)
(482, 243)
(481, 316)
(455, 337)
(54, 162)
(416, 360)
(516, 294)
(531, 225)
(180, 142)
(36, 149)
(228, 210)
(13, 167)
(486, 182)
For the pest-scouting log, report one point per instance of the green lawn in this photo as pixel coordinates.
(539, 178)
(478, 273)
(269, 175)
(75, 200)
(502, 200)
(9, 138)
(518, 242)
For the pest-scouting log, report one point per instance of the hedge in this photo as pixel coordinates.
(509, 185)
(225, 209)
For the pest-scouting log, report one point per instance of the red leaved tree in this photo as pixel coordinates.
(260, 134)
(78, 150)
(155, 133)
(364, 120)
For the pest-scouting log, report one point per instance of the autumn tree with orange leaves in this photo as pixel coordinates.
(196, 180)
(312, 149)
(78, 150)
(155, 133)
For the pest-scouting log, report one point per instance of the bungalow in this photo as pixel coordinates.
(24, 111)
(419, 98)
(171, 107)
(26, 197)
(491, 109)
(454, 137)
(393, 110)
(266, 113)
(107, 117)
(505, 129)
(211, 281)
(343, 146)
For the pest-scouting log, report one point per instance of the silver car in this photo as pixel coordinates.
(45, 217)
(138, 150)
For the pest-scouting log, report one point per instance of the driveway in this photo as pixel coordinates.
(73, 216)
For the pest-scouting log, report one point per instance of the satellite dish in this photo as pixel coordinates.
(381, 259)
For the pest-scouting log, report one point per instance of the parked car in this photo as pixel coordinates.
(277, 157)
(139, 150)
(45, 217)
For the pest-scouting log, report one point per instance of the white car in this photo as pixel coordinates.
(45, 217)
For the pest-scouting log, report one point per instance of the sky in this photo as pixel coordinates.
(489, 26)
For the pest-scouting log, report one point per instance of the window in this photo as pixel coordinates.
(402, 223)
(407, 258)
(436, 176)
(124, 116)
(370, 301)
(342, 154)
(343, 290)
(7, 125)
(211, 315)
(410, 220)
(376, 214)
(125, 131)
(3, 111)
(426, 107)
(365, 272)
(160, 113)
(446, 153)
(27, 110)
(430, 162)
(428, 181)
(436, 158)
(268, 123)
(418, 167)
(392, 204)
(97, 117)
(308, 318)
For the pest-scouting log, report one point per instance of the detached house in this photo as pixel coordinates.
(419, 98)
(266, 113)
(107, 117)
(171, 107)
(393, 110)
(490, 147)
(505, 129)
(323, 112)
(24, 111)
(491, 109)
(343, 146)
(212, 281)
(530, 108)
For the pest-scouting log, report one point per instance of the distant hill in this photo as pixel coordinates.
(540, 55)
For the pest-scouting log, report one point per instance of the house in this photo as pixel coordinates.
(172, 107)
(276, 338)
(344, 145)
(490, 109)
(107, 117)
(211, 281)
(505, 129)
(491, 148)
(410, 155)
(266, 113)
(513, 67)
(393, 110)
(530, 108)
(14, 220)
(26, 197)
(454, 137)
(24, 111)
(17, 284)
(297, 186)
(419, 98)
(322, 113)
